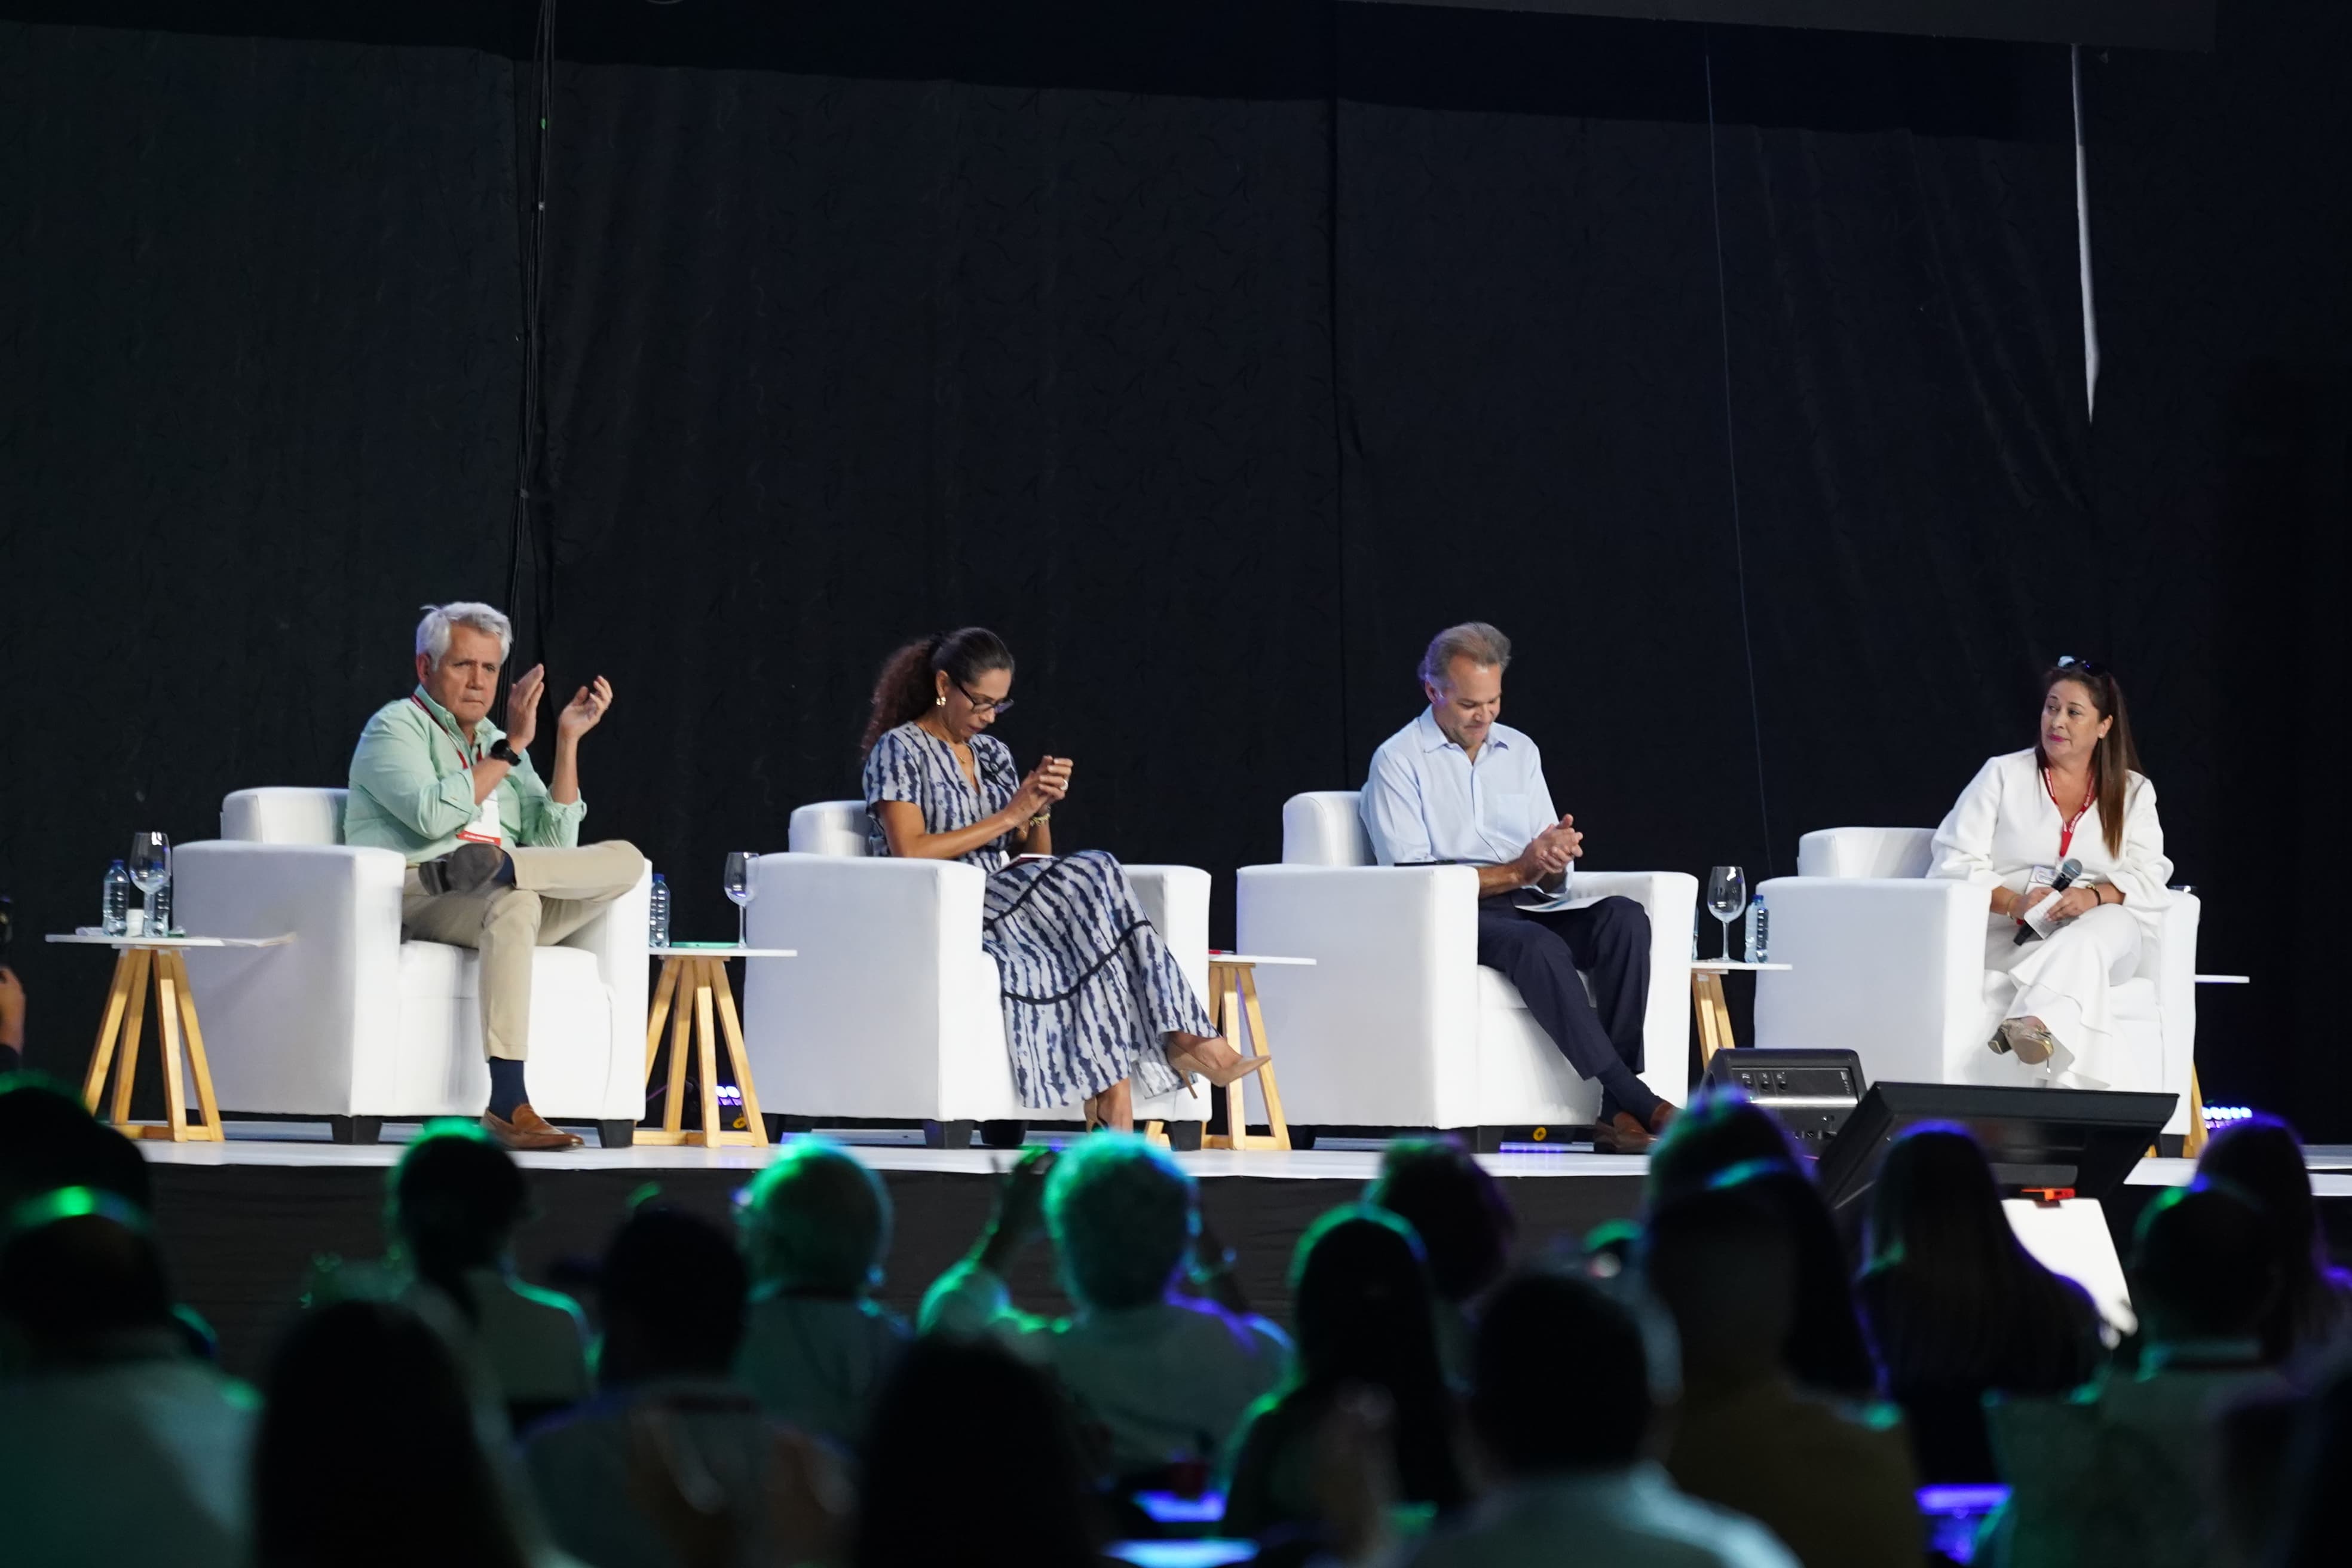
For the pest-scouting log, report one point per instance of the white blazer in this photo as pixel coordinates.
(2005, 824)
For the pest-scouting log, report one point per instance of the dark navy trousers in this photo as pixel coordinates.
(1599, 1034)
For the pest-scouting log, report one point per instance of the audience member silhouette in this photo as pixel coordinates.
(1361, 1316)
(457, 1201)
(2262, 1158)
(1157, 1378)
(973, 1460)
(49, 1140)
(672, 1290)
(1834, 1483)
(2123, 1471)
(1722, 1129)
(1465, 1226)
(115, 1441)
(376, 1451)
(1957, 1307)
(1572, 1488)
(817, 1346)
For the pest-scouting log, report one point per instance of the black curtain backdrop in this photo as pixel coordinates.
(1216, 356)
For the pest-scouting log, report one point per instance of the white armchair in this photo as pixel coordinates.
(1889, 964)
(354, 1024)
(893, 1008)
(1397, 1025)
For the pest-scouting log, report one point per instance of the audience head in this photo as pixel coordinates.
(972, 1460)
(1549, 1344)
(459, 649)
(1723, 1264)
(1935, 1207)
(1360, 1301)
(457, 1198)
(963, 676)
(2262, 1157)
(818, 1223)
(49, 1139)
(2202, 1268)
(1461, 676)
(79, 1273)
(1122, 1217)
(672, 1288)
(372, 1451)
(1458, 1211)
(1720, 1128)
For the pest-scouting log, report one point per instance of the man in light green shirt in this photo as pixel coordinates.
(494, 855)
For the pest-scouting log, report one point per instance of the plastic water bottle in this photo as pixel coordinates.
(114, 900)
(1759, 930)
(657, 914)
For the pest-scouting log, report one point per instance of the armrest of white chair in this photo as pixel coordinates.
(617, 936)
(1383, 1030)
(1891, 967)
(2170, 959)
(1671, 899)
(294, 1028)
(877, 1005)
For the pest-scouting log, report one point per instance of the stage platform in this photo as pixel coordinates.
(240, 1221)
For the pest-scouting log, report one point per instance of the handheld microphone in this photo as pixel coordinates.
(2067, 872)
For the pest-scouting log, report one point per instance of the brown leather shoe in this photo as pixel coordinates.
(1622, 1133)
(1664, 1117)
(529, 1131)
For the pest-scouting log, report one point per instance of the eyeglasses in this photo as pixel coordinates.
(983, 704)
(2088, 666)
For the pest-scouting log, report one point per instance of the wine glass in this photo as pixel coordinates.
(737, 878)
(1726, 899)
(149, 865)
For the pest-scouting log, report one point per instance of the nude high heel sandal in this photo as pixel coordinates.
(1222, 1074)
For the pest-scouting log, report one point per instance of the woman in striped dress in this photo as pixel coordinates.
(1093, 1002)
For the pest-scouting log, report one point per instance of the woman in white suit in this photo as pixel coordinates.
(2077, 794)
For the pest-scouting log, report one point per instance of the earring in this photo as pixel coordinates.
(941, 700)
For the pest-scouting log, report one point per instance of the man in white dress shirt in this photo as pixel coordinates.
(1458, 786)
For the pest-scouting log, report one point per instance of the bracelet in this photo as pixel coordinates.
(1042, 818)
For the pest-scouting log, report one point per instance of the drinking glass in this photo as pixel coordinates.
(150, 863)
(737, 882)
(1726, 899)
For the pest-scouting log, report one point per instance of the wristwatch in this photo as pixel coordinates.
(502, 752)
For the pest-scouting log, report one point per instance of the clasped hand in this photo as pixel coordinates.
(583, 714)
(1046, 783)
(1551, 852)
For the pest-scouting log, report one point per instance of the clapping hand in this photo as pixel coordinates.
(586, 708)
(522, 707)
(1020, 1209)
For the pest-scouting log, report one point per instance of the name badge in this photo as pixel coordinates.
(486, 827)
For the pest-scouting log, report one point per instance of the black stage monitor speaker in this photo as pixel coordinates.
(2040, 1140)
(1812, 1092)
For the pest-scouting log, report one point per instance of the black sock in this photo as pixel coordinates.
(506, 1087)
(1621, 1090)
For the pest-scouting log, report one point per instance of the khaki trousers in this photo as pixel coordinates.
(555, 892)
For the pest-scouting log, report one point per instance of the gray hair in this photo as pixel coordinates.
(1476, 641)
(433, 631)
(1122, 1217)
(817, 1220)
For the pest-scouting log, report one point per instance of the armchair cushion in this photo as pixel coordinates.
(1865, 852)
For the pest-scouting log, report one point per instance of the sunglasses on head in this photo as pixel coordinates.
(2067, 661)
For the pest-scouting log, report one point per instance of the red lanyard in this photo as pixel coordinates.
(464, 761)
(2067, 832)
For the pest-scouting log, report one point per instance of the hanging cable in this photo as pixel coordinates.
(1731, 455)
(531, 446)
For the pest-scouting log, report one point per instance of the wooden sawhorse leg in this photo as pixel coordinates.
(119, 1033)
(693, 997)
(1714, 1016)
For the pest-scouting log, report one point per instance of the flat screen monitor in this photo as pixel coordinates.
(2037, 1139)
